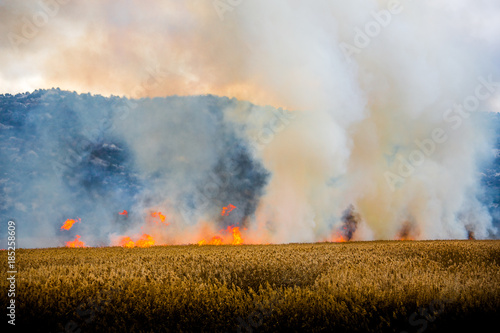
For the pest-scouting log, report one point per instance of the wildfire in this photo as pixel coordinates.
(124, 213)
(76, 243)
(227, 210)
(339, 239)
(127, 242)
(218, 240)
(237, 240)
(160, 216)
(406, 232)
(145, 241)
(69, 223)
(340, 236)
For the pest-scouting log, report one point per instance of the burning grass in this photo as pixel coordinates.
(345, 287)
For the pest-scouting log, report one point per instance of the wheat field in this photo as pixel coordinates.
(383, 286)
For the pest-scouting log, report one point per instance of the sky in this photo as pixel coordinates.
(161, 48)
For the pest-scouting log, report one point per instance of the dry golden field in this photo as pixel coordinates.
(384, 286)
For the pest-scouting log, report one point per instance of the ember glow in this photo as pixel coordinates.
(159, 217)
(230, 236)
(216, 240)
(144, 241)
(237, 240)
(127, 242)
(407, 232)
(75, 243)
(69, 223)
(339, 238)
(226, 210)
(124, 213)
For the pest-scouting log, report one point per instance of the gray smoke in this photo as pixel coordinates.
(378, 110)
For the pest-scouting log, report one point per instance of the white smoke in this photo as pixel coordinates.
(381, 92)
(374, 80)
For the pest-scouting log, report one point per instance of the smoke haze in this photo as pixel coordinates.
(331, 107)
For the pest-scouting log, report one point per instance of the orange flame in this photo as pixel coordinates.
(76, 243)
(145, 241)
(227, 210)
(237, 240)
(160, 216)
(339, 239)
(69, 223)
(127, 242)
(218, 240)
(124, 213)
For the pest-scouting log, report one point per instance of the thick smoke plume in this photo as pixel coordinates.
(371, 106)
